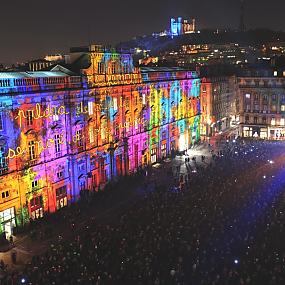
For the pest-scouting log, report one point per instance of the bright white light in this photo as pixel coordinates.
(264, 176)
(236, 261)
(236, 152)
(271, 162)
(182, 143)
(234, 141)
(23, 280)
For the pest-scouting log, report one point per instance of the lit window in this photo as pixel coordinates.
(282, 108)
(90, 108)
(115, 103)
(275, 73)
(79, 138)
(282, 122)
(247, 96)
(273, 122)
(143, 99)
(91, 135)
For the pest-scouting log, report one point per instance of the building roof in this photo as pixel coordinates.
(162, 69)
(30, 74)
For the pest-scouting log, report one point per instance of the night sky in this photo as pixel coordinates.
(30, 29)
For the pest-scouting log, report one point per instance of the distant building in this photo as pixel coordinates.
(44, 63)
(217, 104)
(261, 105)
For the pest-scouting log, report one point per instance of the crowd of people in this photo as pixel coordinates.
(225, 226)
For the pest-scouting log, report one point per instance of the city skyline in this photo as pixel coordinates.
(32, 30)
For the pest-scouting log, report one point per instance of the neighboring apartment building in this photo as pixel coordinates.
(217, 104)
(261, 106)
(62, 133)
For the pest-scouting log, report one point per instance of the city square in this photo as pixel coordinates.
(158, 159)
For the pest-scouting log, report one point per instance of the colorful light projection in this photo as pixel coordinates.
(55, 144)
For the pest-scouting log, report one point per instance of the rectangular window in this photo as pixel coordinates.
(273, 97)
(30, 115)
(282, 122)
(60, 174)
(101, 69)
(143, 99)
(35, 183)
(79, 138)
(36, 207)
(90, 108)
(91, 134)
(282, 108)
(247, 96)
(55, 118)
(3, 160)
(1, 122)
(115, 104)
(5, 194)
(126, 67)
(273, 122)
(113, 66)
(32, 150)
(57, 143)
(61, 197)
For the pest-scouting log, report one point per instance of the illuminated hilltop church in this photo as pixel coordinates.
(181, 27)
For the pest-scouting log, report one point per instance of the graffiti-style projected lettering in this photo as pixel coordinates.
(81, 109)
(39, 113)
(15, 153)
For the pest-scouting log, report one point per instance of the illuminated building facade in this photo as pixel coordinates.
(261, 106)
(217, 104)
(61, 133)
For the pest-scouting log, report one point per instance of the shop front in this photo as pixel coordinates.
(8, 222)
(255, 132)
(61, 197)
(276, 133)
